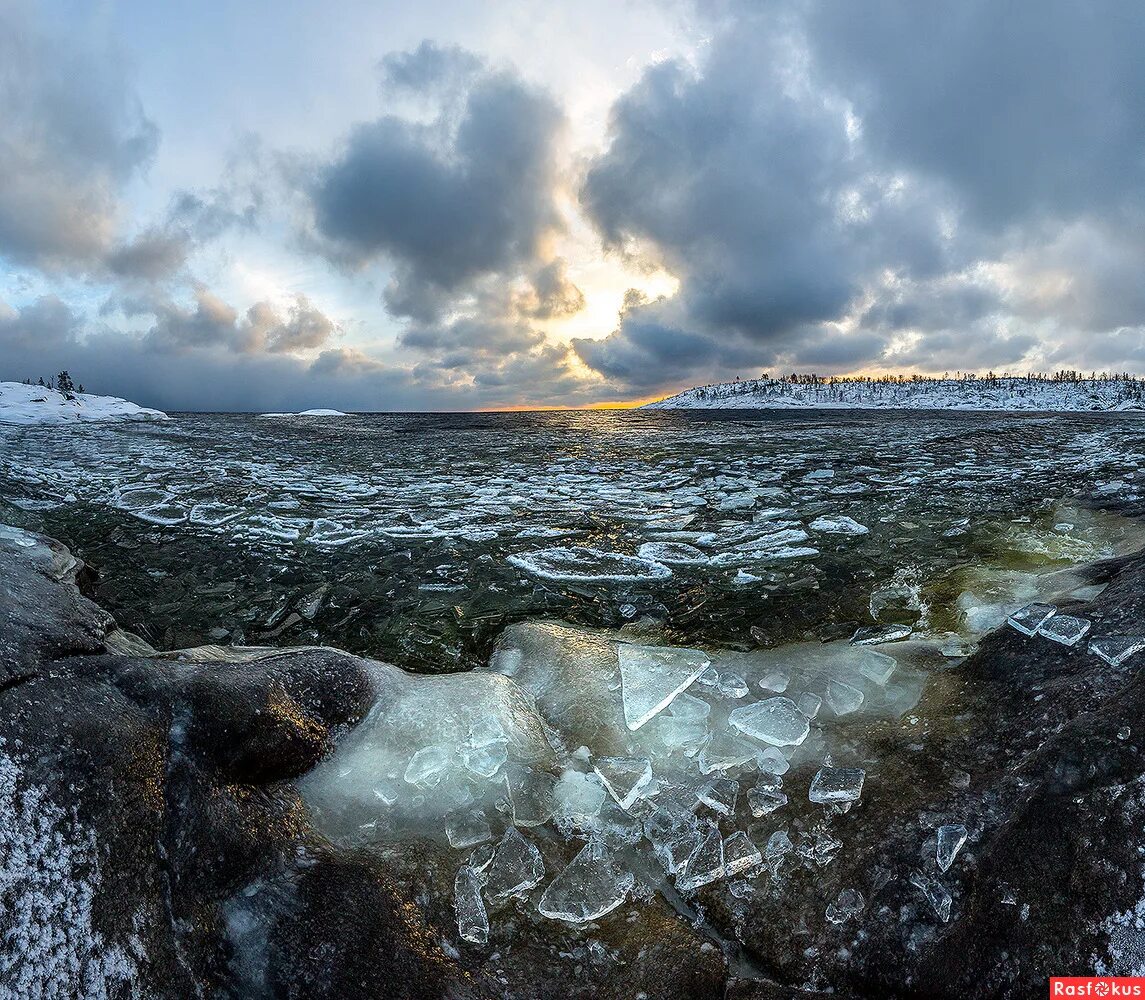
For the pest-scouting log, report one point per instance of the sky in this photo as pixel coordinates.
(464, 205)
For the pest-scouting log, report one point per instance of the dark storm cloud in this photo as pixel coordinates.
(449, 202)
(552, 293)
(46, 322)
(151, 256)
(71, 135)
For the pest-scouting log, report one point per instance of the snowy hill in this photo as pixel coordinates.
(33, 404)
(927, 394)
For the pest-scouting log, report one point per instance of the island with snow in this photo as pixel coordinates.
(1064, 392)
(21, 403)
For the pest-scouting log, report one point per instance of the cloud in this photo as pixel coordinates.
(72, 133)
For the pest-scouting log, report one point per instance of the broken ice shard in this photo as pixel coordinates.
(577, 798)
(836, 784)
(484, 761)
(740, 854)
(771, 761)
(686, 706)
(624, 777)
(472, 920)
(843, 698)
(1030, 618)
(874, 635)
(720, 794)
(1065, 629)
(763, 801)
(578, 564)
(467, 829)
(951, 837)
(1116, 649)
(877, 667)
(706, 862)
(809, 704)
(427, 766)
(651, 676)
(733, 686)
(530, 794)
(591, 886)
(516, 867)
(849, 903)
(778, 844)
(935, 894)
(726, 750)
(776, 679)
(774, 720)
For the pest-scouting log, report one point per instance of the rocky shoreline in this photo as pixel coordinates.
(155, 843)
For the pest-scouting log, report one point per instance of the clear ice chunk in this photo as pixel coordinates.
(591, 886)
(467, 829)
(770, 760)
(427, 767)
(472, 920)
(709, 678)
(877, 667)
(1030, 618)
(842, 697)
(651, 676)
(848, 904)
(484, 761)
(486, 731)
(675, 733)
(733, 686)
(1116, 649)
(726, 750)
(530, 794)
(832, 785)
(720, 794)
(951, 837)
(764, 801)
(706, 862)
(516, 867)
(809, 704)
(740, 854)
(686, 706)
(776, 679)
(577, 798)
(935, 893)
(774, 720)
(1065, 629)
(624, 777)
(778, 844)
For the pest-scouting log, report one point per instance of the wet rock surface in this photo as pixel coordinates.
(155, 842)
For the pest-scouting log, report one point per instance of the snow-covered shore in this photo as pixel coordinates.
(33, 404)
(934, 394)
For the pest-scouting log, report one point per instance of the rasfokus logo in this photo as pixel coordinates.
(1097, 986)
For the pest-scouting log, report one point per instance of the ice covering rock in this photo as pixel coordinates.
(624, 777)
(875, 635)
(832, 785)
(1030, 618)
(651, 676)
(592, 885)
(672, 553)
(472, 919)
(838, 526)
(842, 698)
(848, 904)
(427, 766)
(740, 854)
(706, 862)
(516, 867)
(579, 564)
(1065, 629)
(1116, 649)
(951, 837)
(774, 720)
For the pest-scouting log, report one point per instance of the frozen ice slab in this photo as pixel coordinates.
(774, 720)
(733, 686)
(672, 553)
(720, 795)
(577, 798)
(515, 869)
(951, 837)
(427, 767)
(578, 564)
(877, 667)
(674, 734)
(848, 904)
(740, 854)
(833, 785)
(686, 706)
(706, 862)
(484, 761)
(770, 760)
(935, 893)
(467, 829)
(472, 920)
(1065, 629)
(876, 635)
(764, 801)
(809, 704)
(776, 679)
(651, 676)
(1030, 618)
(842, 698)
(591, 886)
(725, 750)
(530, 794)
(838, 526)
(624, 777)
(1116, 649)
